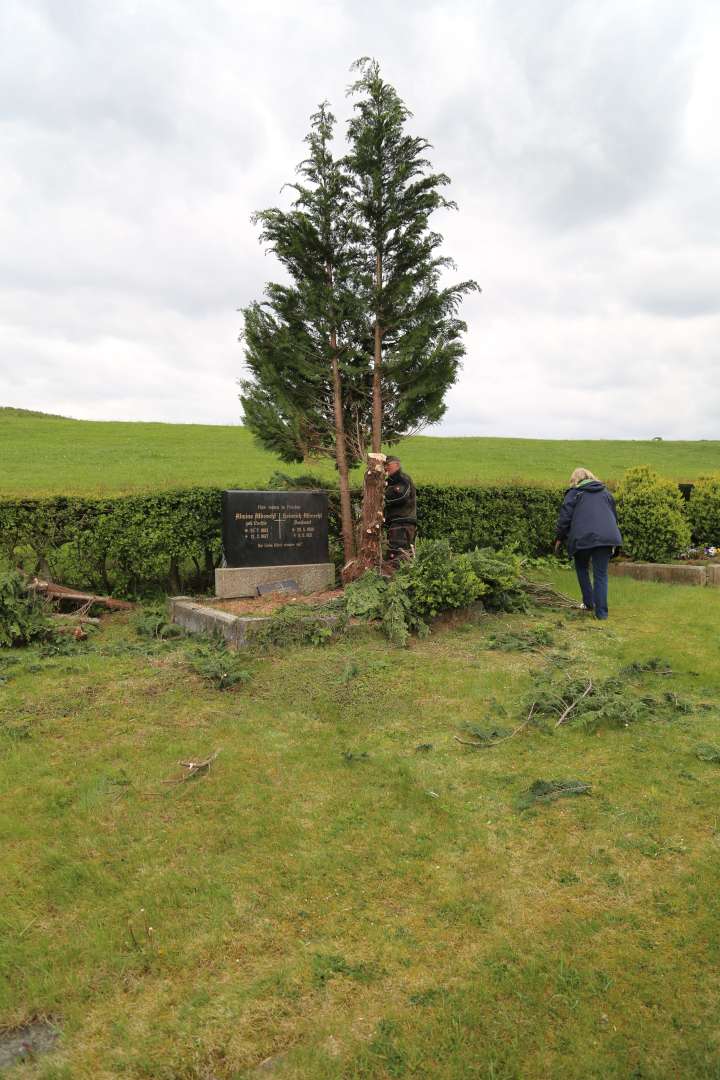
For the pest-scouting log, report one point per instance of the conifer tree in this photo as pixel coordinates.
(363, 342)
(309, 393)
(416, 333)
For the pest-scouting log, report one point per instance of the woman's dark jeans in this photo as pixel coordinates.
(595, 592)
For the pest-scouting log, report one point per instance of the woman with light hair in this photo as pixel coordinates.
(587, 524)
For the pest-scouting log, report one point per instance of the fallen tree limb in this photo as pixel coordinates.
(572, 705)
(53, 591)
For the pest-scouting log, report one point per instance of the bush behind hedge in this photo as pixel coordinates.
(651, 515)
(704, 510)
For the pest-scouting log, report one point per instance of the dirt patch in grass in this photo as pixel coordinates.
(26, 1042)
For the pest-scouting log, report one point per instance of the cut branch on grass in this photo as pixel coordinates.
(542, 593)
(59, 593)
(479, 745)
(573, 704)
(192, 769)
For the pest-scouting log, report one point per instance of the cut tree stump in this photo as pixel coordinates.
(369, 555)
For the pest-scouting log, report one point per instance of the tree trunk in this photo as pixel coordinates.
(377, 365)
(370, 548)
(174, 576)
(209, 566)
(341, 459)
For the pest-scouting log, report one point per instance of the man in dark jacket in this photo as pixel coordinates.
(400, 511)
(587, 523)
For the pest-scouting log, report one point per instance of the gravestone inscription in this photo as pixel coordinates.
(275, 528)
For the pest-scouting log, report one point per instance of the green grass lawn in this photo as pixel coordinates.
(42, 455)
(336, 899)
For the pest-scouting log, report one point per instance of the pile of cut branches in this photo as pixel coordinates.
(590, 703)
(614, 702)
(545, 595)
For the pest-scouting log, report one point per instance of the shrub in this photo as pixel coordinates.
(650, 514)
(132, 545)
(703, 511)
(23, 616)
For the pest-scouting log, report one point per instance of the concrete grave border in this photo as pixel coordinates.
(237, 630)
(668, 573)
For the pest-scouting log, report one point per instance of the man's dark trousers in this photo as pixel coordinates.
(595, 592)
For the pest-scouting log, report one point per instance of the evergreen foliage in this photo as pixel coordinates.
(220, 666)
(591, 704)
(543, 791)
(298, 624)
(363, 337)
(534, 639)
(417, 334)
(302, 328)
(435, 581)
(651, 516)
(704, 510)
(708, 752)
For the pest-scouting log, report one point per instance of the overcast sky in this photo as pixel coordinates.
(582, 139)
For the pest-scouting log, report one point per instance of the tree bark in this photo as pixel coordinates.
(377, 365)
(369, 555)
(341, 459)
(174, 576)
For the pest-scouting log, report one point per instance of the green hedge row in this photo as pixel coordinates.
(496, 516)
(128, 545)
(138, 544)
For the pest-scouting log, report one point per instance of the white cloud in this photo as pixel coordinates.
(581, 140)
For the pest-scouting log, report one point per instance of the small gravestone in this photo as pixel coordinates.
(271, 537)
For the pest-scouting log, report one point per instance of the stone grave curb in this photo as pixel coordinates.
(235, 582)
(236, 630)
(668, 573)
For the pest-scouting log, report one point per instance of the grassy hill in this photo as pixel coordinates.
(45, 455)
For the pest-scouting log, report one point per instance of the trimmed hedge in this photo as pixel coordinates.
(130, 545)
(495, 516)
(138, 544)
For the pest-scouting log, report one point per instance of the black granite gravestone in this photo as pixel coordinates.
(275, 528)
